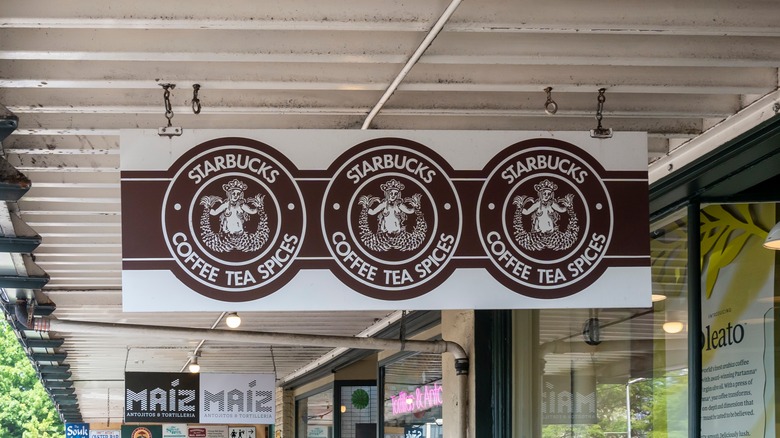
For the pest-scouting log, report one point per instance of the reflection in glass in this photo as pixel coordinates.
(315, 416)
(633, 379)
(413, 393)
(358, 411)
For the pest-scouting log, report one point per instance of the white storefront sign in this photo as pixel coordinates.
(237, 398)
(383, 219)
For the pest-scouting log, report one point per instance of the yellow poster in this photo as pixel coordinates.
(737, 321)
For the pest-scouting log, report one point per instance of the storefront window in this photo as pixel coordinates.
(315, 415)
(413, 397)
(612, 372)
(358, 411)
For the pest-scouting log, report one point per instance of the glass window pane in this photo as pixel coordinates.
(413, 397)
(315, 416)
(358, 411)
(619, 372)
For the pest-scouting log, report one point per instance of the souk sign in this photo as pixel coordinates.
(421, 399)
(342, 219)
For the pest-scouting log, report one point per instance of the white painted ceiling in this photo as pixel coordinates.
(76, 72)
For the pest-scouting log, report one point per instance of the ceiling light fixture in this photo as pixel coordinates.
(673, 327)
(674, 321)
(194, 366)
(773, 238)
(233, 320)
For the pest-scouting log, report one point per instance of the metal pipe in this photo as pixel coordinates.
(202, 341)
(445, 16)
(441, 346)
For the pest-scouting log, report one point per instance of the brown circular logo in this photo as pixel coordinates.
(545, 218)
(391, 219)
(233, 219)
(141, 432)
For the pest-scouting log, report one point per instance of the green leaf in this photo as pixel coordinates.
(719, 260)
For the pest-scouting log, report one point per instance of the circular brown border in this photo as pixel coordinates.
(493, 220)
(298, 222)
(334, 221)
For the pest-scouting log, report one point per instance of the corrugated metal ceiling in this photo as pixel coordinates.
(76, 72)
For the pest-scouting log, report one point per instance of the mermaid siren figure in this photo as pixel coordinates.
(545, 212)
(234, 213)
(391, 213)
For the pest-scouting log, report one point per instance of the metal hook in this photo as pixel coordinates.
(167, 101)
(601, 132)
(169, 130)
(195, 100)
(550, 107)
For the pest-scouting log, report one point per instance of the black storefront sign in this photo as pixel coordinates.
(161, 397)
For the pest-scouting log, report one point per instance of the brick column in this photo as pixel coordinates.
(285, 414)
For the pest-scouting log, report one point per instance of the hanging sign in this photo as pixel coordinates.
(237, 398)
(161, 397)
(206, 398)
(337, 220)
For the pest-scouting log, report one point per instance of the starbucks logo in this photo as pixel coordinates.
(233, 219)
(545, 218)
(391, 219)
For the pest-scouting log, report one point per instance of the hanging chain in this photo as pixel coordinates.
(167, 100)
(273, 360)
(168, 131)
(600, 108)
(195, 100)
(402, 329)
(550, 107)
(601, 132)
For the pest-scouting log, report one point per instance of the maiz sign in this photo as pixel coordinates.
(383, 219)
(161, 397)
(237, 398)
(206, 398)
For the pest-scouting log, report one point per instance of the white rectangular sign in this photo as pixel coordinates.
(174, 430)
(242, 432)
(358, 220)
(105, 434)
(237, 398)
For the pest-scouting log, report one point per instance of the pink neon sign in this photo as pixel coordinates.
(422, 398)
